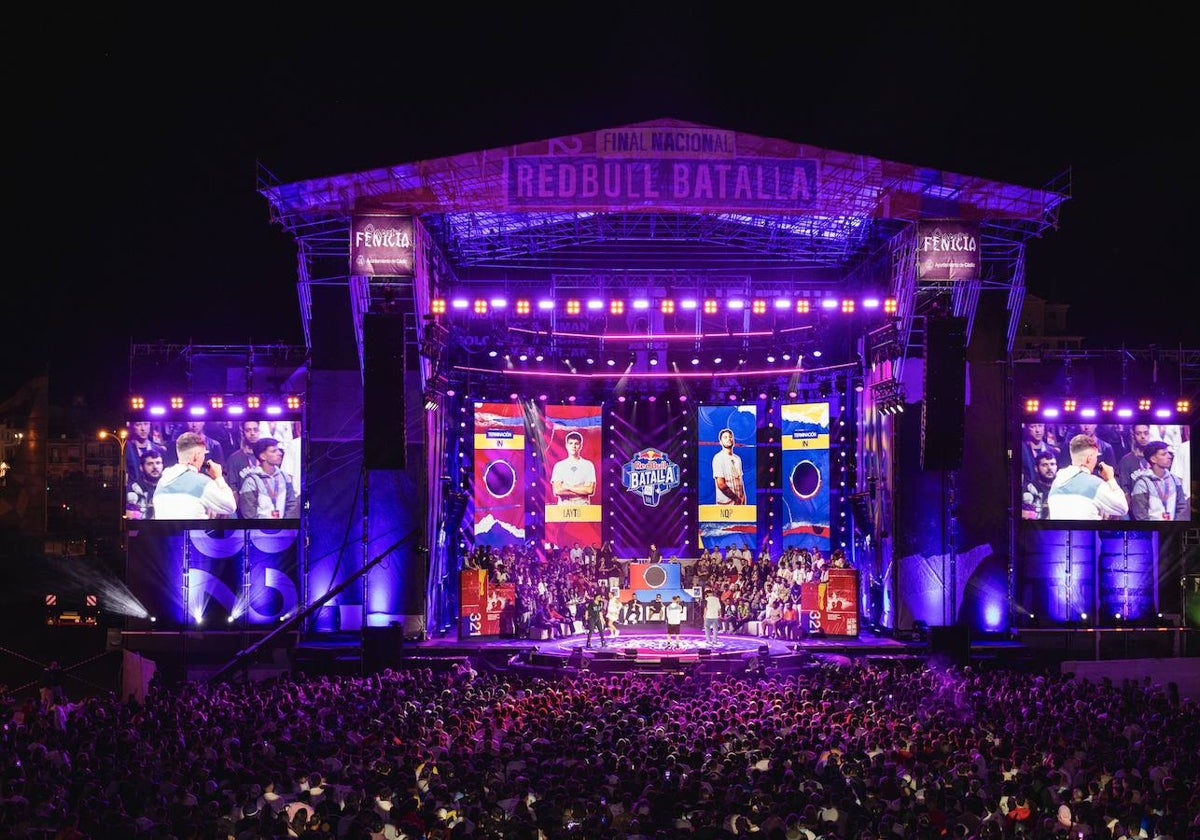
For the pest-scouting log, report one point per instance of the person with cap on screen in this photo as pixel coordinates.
(573, 479)
(267, 491)
(1158, 493)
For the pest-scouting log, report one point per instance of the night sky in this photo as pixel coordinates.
(134, 215)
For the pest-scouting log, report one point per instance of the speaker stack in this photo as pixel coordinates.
(943, 411)
(383, 392)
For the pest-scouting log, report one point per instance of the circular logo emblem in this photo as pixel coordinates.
(655, 577)
(806, 479)
(500, 479)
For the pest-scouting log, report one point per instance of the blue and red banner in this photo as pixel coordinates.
(727, 466)
(571, 478)
(805, 485)
(499, 474)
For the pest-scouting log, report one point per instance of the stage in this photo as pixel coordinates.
(637, 650)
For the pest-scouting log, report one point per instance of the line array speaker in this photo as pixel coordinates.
(331, 328)
(943, 411)
(383, 392)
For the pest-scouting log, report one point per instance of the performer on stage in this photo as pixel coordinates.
(613, 612)
(675, 611)
(595, 619)
(712, 616)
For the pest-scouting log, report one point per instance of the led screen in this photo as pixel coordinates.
(1065, 467)
(258, 461)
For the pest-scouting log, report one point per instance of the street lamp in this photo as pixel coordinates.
(122, 474)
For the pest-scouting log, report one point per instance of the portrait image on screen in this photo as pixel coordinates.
(1081, 473)
(240, 472)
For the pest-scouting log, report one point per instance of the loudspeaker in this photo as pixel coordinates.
(943, 410)
(381, 647)
(383, 392)
(952, 641)
(331, 328)
(669, 662)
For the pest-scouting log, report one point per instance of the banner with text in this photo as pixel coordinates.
(381, 245)
(804, 430)
(948, 249)
(727, 467)
(572, 487)
(499, 471)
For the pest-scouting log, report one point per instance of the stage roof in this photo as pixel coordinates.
(684, 203)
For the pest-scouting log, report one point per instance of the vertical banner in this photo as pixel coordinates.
(214, 575)
(727, 467)
(805, 480)
(472, 602)
(499, 467)
(650, 439)
(273, 591)
(841, 603)
(831, 607)
(572, 443)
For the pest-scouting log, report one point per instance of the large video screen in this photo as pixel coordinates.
(214, 473)
(1080, 474)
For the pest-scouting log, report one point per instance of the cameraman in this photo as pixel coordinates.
(193, 488)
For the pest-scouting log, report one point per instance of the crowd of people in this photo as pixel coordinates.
(839, 749)
(213, 470)
(553, 588)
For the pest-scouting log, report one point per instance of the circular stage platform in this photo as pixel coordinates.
(653, 646)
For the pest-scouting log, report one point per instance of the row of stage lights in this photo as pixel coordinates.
(222, 404)
(667, 306)
(1107, 406)
(524, 356)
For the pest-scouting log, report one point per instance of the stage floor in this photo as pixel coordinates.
(649, 646)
